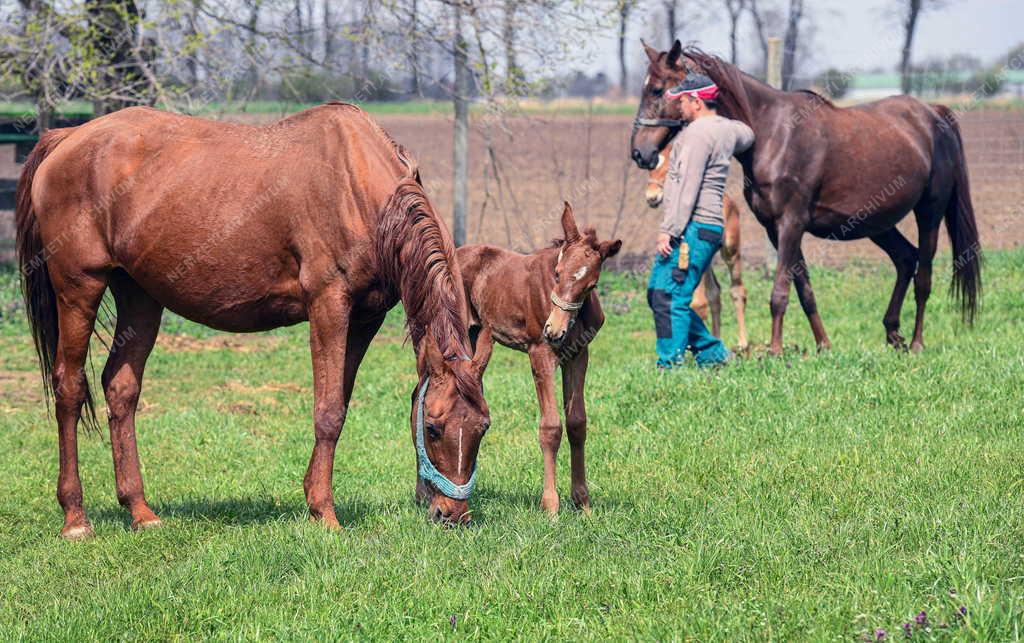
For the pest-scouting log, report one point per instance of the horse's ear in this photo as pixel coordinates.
(484, 348)
(652, 53)
(673, 54)
(610, 248)
(572, 233)
(430, 358)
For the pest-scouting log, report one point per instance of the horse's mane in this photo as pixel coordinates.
(732, 96)
(417, 256)
(816, 96)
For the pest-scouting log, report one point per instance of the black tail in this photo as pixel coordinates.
(963, 229)
(40, 299)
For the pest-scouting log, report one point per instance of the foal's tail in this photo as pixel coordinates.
(40, 298)
(962, 228)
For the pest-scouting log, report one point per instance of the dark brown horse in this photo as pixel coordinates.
(318, 217)
(839, 174)
(544, 305)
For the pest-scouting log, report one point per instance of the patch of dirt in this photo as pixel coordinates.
(20, 389)
(240, 343)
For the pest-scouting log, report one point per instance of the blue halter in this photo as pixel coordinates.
(427, 469)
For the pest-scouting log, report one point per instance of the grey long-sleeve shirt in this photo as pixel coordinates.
(698, 169)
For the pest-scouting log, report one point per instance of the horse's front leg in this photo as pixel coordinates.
(786, 237)
(329, 317)
(543, 363)
(574, 375)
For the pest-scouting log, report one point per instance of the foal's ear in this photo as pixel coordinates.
(609, 249)
(572, 233)
(484, 348)
(673, 54)
(652, 53)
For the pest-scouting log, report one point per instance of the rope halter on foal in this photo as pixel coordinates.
(427, 470)
(567, 306)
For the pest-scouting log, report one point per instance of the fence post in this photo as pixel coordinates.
(774, 78)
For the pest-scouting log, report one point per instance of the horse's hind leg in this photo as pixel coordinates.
(574, 375)
(76, 311)
(138, 322)
(904, 257)
(928, 229)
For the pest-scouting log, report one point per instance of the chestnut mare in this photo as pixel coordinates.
(544, 305)
(708, 294)
(318, 217)
(839, 174)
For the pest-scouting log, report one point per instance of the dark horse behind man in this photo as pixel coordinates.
(318, 217)
(840, 174)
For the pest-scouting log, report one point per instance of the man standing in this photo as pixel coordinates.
(691, 232)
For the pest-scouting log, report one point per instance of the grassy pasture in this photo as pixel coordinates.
(819, 497)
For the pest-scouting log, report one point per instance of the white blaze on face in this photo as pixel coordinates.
(460, 450)
(579, 273)
(661, 160)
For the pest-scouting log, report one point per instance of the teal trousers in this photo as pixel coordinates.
(670, 292)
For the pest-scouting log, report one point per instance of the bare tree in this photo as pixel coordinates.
(671, 22)
(625, 8)
(791, 42)
(735, 9)
(911, 11)
(761, 33)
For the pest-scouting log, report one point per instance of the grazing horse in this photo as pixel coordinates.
(840, 174)
(709, 293)
(544, 305)
(319, 217)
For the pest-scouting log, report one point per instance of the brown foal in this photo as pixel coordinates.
(544, 305)
(708, 294)
(317, 217)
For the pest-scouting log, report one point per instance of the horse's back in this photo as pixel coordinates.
(219, 221)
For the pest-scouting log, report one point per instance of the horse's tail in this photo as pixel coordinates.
(962, 228)
(36, 287)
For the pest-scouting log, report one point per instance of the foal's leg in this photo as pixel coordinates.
(543, 362)
(928, 228)
(76, 312)
(328, 337)
(574, 375)
(700, 303)
(904, 256)
(714, 290)
(138, 322)
(731, 254)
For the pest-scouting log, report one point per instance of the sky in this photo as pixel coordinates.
(849, 35)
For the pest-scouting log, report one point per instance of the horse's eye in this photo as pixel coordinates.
(657, 91)
(484, 427)
(556, 276)
(433, 431)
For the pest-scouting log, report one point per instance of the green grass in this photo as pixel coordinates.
(810, 497)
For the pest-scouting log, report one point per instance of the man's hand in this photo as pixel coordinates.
(664, 247)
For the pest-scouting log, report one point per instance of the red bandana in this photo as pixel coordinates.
(708, 92)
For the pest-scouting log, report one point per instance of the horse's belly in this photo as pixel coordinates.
(244, 293)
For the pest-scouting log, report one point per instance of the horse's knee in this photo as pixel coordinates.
(69, 388)
(122, 395)
(778, 302)
(550, 435)
(327, 423)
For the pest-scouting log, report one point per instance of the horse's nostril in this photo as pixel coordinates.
(636, 155)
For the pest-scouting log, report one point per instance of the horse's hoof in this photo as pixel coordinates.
(916, 347)
(329, 523)
(76, 532)
(149, 523)
(550, 506)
